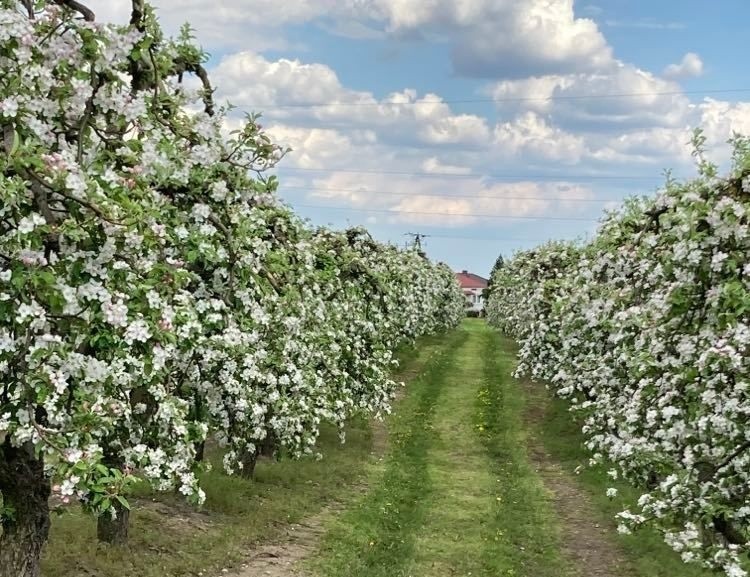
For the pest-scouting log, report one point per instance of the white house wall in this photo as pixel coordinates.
(477, 302)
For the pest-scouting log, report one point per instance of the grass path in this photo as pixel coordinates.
(479, 481)
(488, 515)
(457, 496)
(474, 475)
(376, 537)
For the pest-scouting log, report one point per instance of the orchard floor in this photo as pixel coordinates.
(473, 474)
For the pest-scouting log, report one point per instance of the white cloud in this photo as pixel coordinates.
(621, 96)
(691, 65)
(660, 147)
(440, 126)
(531, 36)
(533, 93)
(435, 166)
(461, 202)
(531, 138)
(645, 23)
(313, 147)
(250, 80)
(284, 90)
(489, 38)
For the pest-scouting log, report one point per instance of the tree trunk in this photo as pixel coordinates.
(249, 459)
(200, 451)
(269, 446)
(113, 531)
(109, 530)
(25, 490)
(200, 447)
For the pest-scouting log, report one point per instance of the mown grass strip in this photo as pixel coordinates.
(376, 537)
(450, 541)
(521, 536)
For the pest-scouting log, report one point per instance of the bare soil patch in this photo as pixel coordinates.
(298, 541)
(585, 539)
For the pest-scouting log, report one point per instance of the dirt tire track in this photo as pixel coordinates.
(282, 556)
(586, 543)
(299, 541)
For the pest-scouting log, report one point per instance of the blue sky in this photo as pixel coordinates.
(489, 125)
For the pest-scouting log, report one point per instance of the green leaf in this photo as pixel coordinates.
(123, 501)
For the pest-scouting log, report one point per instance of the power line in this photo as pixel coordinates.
(508, 99)
(436, 195)
(385, 210)
(490, 239)
(497, 176)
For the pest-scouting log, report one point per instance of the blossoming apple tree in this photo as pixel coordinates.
(646, 330)
(153, 290)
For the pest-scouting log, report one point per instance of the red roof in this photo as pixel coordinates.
(468, 280)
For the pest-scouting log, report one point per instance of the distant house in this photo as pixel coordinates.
(473, 285)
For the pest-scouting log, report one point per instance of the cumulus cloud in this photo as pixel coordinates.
(435, 166)
(659, 147)
(314, 147)
(530, 137)
(489, 38)
(459, 202)
(621, 95)
(293, 91)
(691, 65)
(249, 80)
(531, 36)
(492, 38)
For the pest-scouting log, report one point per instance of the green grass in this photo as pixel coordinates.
(457, 495)
(376, 536)
(169, 538)
(523, 525)
(451, 539)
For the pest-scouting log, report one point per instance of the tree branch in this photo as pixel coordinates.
(181, 66)
(741, 449)
(731, 533)
(228, 236)
(136, 14)
(87, 13)
(95, 209)
(29, 5)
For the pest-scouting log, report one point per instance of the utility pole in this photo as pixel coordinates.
(417, 239)
(417, 236)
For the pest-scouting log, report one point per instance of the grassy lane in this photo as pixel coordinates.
(521, 534)
(458, 496)
(488, 513)
(452, 539)
(376, 537)
(169, 538)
